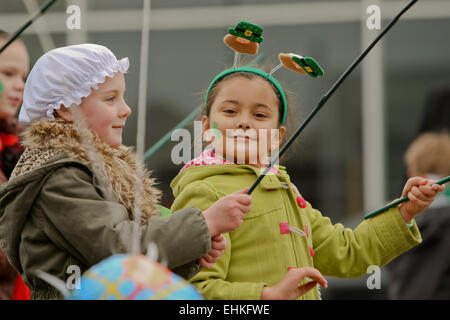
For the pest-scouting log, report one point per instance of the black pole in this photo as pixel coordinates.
(328, 95)
(41, 11)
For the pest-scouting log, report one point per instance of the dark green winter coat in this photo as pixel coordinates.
(55, 212)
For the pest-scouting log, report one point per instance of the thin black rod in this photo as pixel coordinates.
(328, 95)
(397, 202)
(41, 11)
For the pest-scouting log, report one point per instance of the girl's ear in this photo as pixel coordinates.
(205, 128)
(205, 123)
(65, 113)
(282, 132)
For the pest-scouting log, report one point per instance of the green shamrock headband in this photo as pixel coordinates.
(245, 38)
(260, 73)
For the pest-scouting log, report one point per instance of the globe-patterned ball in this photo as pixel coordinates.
(132, 277)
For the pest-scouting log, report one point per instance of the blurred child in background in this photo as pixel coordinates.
(424, 271)
(14, 68)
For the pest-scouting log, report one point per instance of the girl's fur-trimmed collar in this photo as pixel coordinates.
(118, 166)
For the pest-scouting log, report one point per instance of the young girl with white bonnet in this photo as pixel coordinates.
(77, 195)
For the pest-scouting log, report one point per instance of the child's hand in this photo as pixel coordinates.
(227, 213)
(288, 289)
(218, 245)
(420, 195)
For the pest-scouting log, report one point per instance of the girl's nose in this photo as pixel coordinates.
(243, 123)
(19, 84)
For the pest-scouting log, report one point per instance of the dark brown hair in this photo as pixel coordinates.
(4, 35)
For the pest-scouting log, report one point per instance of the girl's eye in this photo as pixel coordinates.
(111, 99)
(8, 73)
(260, 115)
(229, 111)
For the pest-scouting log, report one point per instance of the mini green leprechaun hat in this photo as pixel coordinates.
(309, 65)
(247, 30)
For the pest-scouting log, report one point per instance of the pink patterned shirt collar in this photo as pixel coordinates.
(209, 157)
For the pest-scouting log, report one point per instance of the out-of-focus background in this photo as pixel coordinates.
(349, 160)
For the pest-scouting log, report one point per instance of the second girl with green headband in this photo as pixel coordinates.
(283, 240)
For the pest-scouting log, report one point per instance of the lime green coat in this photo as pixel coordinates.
(258, 255)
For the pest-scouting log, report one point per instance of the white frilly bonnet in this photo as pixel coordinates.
(65, 75)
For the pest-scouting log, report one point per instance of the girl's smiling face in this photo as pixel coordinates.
(246, 111)
(14, 68)
(104, 111)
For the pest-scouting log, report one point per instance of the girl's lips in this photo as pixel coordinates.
(246, 138)
(14, 101)
(241, 136)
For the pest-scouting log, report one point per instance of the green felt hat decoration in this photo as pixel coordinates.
(247, 30)
(245, 38)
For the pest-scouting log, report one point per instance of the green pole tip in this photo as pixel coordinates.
(397, 202)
